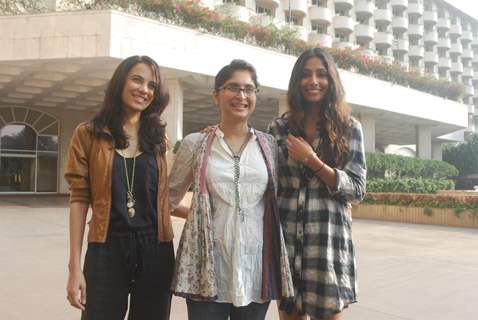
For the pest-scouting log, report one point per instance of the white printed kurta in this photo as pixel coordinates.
(237, 240)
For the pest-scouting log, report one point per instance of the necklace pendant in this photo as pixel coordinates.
(131, 212)
(241, 215)
(130, 204)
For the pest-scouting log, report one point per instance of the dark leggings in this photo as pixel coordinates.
(204, 310)
(134, 265)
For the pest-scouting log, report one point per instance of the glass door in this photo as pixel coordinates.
(17, 173)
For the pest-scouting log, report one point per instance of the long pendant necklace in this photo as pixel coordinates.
(129, 193)
(236, 156)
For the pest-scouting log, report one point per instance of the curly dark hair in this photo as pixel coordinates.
(335, 124)
(152, 129)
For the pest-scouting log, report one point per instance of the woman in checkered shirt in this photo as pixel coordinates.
(322, 171)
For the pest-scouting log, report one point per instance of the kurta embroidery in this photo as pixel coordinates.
(195, 268)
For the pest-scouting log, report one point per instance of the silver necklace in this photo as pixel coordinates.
(130, 202)
(236, 157)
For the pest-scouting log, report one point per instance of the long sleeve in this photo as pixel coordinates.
(77, 165)
(351, 180)
(181, 176)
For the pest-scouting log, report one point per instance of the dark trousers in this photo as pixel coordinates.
(132, 265)
(205, 310)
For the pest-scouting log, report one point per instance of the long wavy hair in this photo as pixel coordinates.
(334, 122)
(152, 129)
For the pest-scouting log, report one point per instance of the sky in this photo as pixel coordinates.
(470, 7)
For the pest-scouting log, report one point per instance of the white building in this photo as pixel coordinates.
(54, 67)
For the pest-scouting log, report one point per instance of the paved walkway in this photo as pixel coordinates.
(412, 272)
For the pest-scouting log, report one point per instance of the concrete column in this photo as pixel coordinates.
(424, 142)
(368, 126)
(68, 119)
(437, 150)
(283, 107)
(173, 114)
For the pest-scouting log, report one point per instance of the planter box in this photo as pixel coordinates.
(444, 217)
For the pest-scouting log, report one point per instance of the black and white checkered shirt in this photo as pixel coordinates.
(317, 225)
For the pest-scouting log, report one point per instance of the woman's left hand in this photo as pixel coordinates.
(181, 212)
(299, 149)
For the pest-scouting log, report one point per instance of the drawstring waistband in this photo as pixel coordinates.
(134, 255)
(134, 243)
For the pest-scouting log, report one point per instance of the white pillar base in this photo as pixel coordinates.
(368, 126)
(173, 114)
(437, 150)
(424, 142)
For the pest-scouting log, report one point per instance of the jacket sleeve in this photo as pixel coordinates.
(181, 175)
(351, 180)
(77, 165)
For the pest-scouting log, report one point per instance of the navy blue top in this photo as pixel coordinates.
(145, 191)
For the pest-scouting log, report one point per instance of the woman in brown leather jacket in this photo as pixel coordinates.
(116, 164)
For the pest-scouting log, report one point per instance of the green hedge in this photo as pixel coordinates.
(427, 201)
(463, 155)
(409, 185)
(381, 165)
(394, 173)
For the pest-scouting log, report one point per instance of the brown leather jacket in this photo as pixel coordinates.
(88, 172)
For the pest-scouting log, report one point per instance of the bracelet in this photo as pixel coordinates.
(318, 170)
(306, 160)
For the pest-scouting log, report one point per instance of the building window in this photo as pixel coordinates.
(340, 37)
(398, 56)
(364, 45)
(319, 3)
(232, 2)
(342, 12)
(292, 19)
(382, 51)
(28, 151)
(263, 11)
(363, 20)
(319, 28)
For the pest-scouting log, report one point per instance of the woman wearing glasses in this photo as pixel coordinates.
(231, 259)
(116, 164)
(322, 170)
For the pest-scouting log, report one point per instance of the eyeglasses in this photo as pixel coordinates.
(247, 90)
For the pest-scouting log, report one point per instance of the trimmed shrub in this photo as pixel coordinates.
(427, 201)
(381, 165)
(409, 185)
